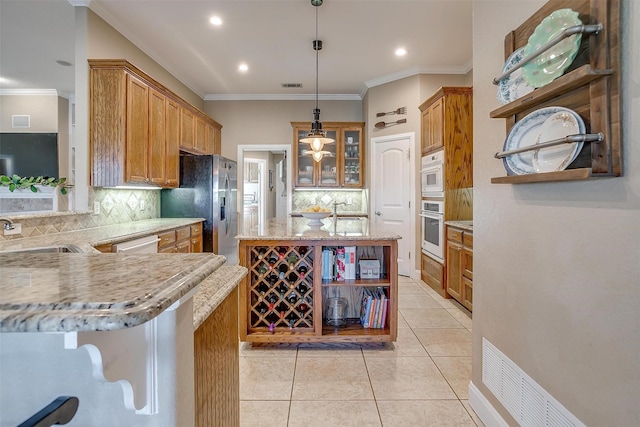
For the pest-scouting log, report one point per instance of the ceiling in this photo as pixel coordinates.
(273, 37)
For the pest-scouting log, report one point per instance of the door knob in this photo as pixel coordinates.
(378, 213)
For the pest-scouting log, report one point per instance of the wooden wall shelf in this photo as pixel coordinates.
(591, 88)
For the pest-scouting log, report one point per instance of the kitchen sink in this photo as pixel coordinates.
(46, 249)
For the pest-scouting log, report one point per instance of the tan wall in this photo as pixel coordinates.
(556, 266)
(63, 137)
(43, 110)
(104, 42)
(269, 122)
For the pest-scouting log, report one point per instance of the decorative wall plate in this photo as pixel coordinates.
(552, 63)
(558, 157)
(514, 85)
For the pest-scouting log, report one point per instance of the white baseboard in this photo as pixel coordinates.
(483, 408)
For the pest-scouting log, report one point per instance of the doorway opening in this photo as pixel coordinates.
(264, 183)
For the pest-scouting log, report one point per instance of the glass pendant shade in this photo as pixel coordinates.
(317, 155)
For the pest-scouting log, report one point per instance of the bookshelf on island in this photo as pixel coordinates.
(334, 283)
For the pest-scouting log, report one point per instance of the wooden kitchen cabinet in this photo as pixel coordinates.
(432, 273)
(137, 127)
(343, 168)
(446, 119)
(459, 261)
(431, 126)
(181, 240)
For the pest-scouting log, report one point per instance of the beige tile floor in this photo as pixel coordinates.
(420, 380)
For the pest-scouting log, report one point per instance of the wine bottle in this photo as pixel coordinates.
(272, 279)
(303, 306)
(283, 268)
(292, 298)
(282, 289)
(302, 270)
(291, 260)
(302, 250)
(262, 308)
(272, 262)
(261, 252)
(281, 252)
(302, 288)
(272, 299)
(291, 278)
(262, 269)
(262, 288)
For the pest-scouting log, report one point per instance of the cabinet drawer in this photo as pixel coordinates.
(467, 239)
(167, 250)
(454, 235)
(183, 233)
(196, 230)
(432, 273)
(167, 239)
(183, 247)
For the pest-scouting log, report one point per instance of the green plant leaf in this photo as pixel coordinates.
(62, 180)
(5, 179)
(33, 188)
(12, 187)
(63, 191)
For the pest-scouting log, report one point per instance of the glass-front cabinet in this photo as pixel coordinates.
(342, 167)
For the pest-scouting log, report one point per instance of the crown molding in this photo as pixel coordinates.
(282, 97)
(39, 92)
(84, 3)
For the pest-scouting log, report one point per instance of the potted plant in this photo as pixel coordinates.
(16, 182)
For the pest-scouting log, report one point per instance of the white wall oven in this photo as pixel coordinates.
(432, 219)
(431, 175)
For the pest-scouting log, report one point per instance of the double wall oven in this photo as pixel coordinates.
(432, 206)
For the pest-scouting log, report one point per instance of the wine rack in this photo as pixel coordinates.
(281, 290)
(282, 299)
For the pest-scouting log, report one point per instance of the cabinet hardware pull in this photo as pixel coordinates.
(588, 137)
(568, 32)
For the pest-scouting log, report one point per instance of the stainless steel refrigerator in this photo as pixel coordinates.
(208, 189)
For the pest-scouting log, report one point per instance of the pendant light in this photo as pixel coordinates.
(317, 138)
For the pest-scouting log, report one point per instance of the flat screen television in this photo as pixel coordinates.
(29, 154)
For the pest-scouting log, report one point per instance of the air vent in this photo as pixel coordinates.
(291, 84)
(22, 121)
(525, 400)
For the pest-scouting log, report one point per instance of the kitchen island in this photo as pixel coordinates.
(293, 294)
(119, 331)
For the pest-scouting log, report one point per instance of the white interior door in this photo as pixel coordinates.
(392, 192)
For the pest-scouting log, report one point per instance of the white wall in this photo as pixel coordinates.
(557, 265)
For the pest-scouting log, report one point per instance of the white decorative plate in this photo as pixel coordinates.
(524, 133)
(514, 85)
(558, 157)
(552, 63)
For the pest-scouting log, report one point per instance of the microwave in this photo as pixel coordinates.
(431, 175)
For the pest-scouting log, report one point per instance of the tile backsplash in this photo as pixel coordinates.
(116, 206)
(325, 198)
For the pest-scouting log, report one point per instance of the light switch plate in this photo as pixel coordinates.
(17, 229)
(96, 208)
(141, 205)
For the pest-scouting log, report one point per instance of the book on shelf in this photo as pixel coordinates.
(373, 311)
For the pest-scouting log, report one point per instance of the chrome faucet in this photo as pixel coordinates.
(335, 210)
(8, 224)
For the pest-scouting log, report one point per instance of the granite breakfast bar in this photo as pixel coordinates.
(119, 331)
(284, 297)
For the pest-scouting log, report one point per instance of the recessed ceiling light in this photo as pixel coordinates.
(401, 51)
(243, 68)
(215, 20)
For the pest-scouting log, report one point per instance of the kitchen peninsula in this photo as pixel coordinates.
(128, 334)
(292, 294)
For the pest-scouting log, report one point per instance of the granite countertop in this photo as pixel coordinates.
(465, 225)
(62, 292)
(213, 290)
(298, 229)
(87, 238)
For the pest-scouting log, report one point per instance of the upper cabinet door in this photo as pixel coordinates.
(352, 149)
(172, 138)
(137, 127)
(342, 167)
(157, 144)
